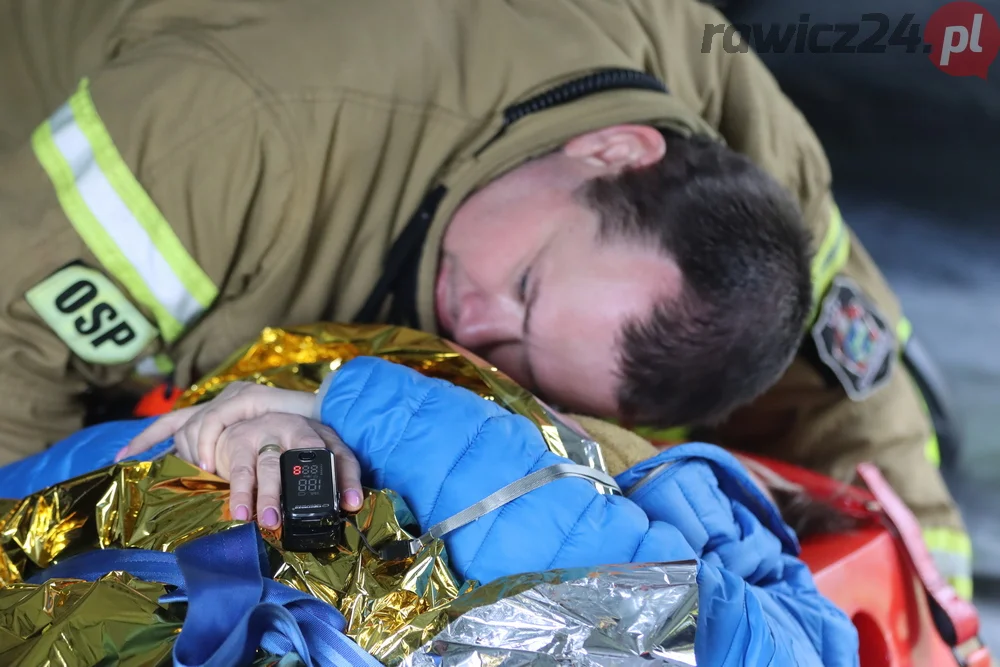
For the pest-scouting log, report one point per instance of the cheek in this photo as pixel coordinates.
(579, 370)
(482, 257)
(588, 390)
(491, 242)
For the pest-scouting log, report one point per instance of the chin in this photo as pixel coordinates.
(594, 407)
(509, 367)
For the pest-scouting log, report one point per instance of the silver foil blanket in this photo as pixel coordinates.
(609, 616)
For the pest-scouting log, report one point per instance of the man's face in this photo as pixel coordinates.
(525, 282)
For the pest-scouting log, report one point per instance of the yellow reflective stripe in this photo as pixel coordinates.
(830, 258)
(962, 586)
(90, 230)
(675, 434)
(117, 219)
(952, 553)
(932, 451)
(932, 448)
(948, 540)
(164, 364)
(160, 365)
(903, 332)
(197, 282)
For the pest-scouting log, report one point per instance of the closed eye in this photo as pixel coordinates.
(522, 288)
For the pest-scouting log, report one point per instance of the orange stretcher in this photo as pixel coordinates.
(882, 575)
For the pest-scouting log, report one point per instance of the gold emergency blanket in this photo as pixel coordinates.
(392, 608)
(116, 619)
(300, 358)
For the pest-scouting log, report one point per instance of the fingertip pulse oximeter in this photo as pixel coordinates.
(311, 518)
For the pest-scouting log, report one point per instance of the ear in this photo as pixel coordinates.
(618, 147)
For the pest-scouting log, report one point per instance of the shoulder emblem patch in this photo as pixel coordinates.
(853, 338)
(91, 315)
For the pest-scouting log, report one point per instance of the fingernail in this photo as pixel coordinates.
(121, 453)
(203, 466)
(242, 513)
(270, 517)
(352, 498)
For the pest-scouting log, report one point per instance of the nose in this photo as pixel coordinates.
(485, 321)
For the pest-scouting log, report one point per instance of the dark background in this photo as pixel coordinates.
(916, 161)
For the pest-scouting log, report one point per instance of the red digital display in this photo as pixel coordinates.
(297, 470)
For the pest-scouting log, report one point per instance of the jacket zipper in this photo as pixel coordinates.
(584, 86)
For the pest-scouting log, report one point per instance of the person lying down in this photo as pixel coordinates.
(443, 448)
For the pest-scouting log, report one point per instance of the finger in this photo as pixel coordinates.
(185, 442)
(295, 433)
(200, 437)
(252, 434)
(242, 481)
(246, 402)
(157, 432)
(346, 465)
(269, 488)
(234, 388)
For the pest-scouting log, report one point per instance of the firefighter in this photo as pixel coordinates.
(589, 194)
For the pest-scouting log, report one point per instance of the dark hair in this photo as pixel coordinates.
(743, 251)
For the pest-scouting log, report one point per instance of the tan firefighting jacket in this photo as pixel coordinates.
(176, 175)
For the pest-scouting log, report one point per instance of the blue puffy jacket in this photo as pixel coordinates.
(444, 448)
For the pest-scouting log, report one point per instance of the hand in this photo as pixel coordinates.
(239, 459)
(219, 428)
(197, 429)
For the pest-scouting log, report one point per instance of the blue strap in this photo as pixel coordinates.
(233, 606)
(92, 565)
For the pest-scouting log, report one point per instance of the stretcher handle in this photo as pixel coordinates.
(957, 620)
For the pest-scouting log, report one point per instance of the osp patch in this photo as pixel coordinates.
(91, 315)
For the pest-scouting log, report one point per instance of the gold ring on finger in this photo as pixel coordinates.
(269, 448)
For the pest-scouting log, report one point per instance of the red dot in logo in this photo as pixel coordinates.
(964, 39)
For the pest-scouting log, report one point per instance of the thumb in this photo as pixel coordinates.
(347, 468)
